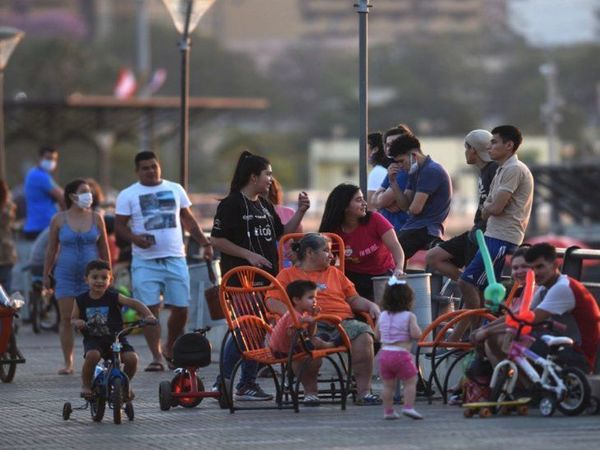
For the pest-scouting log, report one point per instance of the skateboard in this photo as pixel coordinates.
(486, 409)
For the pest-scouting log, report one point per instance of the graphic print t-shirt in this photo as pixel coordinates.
(251, 225)
(104, 313)
(365, 251)
(155, 210)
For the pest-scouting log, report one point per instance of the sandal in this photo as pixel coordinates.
(311, 400)
(154, 367)
(368, 400)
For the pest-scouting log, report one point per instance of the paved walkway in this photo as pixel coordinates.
(30, 416)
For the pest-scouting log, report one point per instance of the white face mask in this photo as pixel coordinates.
(414, 166)
(85, 200)
(48, 164)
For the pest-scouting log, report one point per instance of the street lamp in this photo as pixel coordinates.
(362, 8)
(551, 109)
(9, 39)
(186, 14)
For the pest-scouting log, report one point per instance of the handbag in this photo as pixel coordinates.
(211, 295)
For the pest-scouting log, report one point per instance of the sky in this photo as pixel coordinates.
(547, 23)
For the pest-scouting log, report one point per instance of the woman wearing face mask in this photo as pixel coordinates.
(76, 237)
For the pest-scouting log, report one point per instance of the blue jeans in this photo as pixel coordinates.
(231, 356)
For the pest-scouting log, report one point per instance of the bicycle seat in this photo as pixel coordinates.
(192, 349)
(554, 341)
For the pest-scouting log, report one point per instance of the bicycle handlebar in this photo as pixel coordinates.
(549, 323)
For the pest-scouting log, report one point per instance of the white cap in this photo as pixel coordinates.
(480, 140)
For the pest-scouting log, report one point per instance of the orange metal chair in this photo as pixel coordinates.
(242, 295)
(445, 322)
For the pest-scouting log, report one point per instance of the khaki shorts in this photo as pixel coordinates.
(354, 328)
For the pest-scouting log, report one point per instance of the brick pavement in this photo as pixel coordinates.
(30, 416)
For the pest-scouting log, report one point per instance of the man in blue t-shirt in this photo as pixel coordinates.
(384, 199)
(41, 194)
(426, 197)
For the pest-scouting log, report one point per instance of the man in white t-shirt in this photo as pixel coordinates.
(149, 214)
(558, 297)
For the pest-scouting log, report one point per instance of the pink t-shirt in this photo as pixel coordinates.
(365, 251)
(394, 327)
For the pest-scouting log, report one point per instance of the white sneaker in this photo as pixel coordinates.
(391, 416)
(411, 413)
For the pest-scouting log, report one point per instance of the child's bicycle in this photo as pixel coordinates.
(10, 355)
(565, 388)
(190, 352)
(110, 385)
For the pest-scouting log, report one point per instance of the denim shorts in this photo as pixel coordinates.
(167, 276)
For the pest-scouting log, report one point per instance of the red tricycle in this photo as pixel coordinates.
(190, 352)
(10, 355)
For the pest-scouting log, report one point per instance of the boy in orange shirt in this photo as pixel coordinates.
(302, 294)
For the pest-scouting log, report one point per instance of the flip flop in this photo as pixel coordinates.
(154, 367)
(66, 372)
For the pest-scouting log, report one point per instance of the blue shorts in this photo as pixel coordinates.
(167, 276)
(475, 272)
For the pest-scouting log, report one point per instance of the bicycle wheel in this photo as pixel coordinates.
(577, 397)
(117, 400)
(35, 300)
(183, 383)
(97, 403)
(8, 369)
(49, 315)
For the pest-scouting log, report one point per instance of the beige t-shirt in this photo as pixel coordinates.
(514, 177)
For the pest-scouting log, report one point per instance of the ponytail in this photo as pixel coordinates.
(247, 165)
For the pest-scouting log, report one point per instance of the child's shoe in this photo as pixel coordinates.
(391, 416)
(410, 412)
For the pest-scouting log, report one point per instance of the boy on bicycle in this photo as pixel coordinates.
(98, 311)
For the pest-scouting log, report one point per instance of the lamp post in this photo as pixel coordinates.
(551, 109)
(362, 8)
(9, 39)
(185, 14)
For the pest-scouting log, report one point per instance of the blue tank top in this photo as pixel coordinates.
(77, 249)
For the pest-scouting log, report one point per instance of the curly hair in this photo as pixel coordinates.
(397, 298)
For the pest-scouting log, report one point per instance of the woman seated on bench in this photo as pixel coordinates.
(337, 296)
